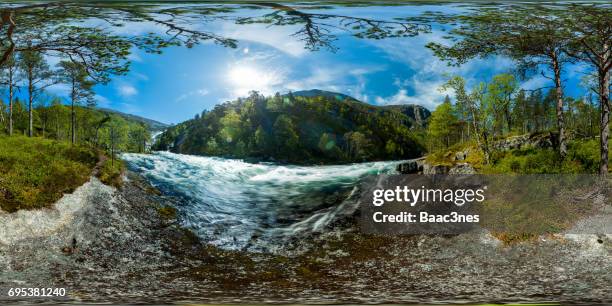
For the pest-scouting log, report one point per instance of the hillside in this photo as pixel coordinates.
(306, 127)
(151, 124)
(36, 172)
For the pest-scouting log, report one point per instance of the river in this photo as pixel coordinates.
(238, 205)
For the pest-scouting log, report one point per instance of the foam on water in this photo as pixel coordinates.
(236, 205)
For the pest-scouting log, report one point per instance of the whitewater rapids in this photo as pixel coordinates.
(238, 205)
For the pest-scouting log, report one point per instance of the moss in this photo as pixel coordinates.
(110, 173)
(509, 238)
(36, 172)
(167, 213)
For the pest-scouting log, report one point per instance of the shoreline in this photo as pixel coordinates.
(118, 248)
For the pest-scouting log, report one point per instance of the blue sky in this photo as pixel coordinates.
(181, 82)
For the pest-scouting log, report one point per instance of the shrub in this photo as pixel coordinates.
(110, 173)
(36, 172)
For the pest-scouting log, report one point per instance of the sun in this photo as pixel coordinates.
(245, 78)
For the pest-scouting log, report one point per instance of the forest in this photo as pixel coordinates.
(45, 115)
(541, 41)
(300, 128)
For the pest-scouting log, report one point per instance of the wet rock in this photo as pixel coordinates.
(414, 166)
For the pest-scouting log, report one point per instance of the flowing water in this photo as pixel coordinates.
(237, 205)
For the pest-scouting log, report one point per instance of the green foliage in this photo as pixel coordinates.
(52, 119)
(442, 123)
(298, 129)
(110, 172)
(36, 172)
(582, 158)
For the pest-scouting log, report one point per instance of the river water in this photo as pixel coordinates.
(238, 205)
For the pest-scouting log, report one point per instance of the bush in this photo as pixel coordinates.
(36, 172)
(110, 173)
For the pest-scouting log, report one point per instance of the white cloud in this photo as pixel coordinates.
(346, 79)
(102, 101)
(279, 38)
(200, 92)
(59, 89)
(430, 73)
(426, 94)
(127, 90)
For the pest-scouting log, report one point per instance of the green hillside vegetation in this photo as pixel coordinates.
(307, 129)
(496, 110)
(36, 172)
(52, 119)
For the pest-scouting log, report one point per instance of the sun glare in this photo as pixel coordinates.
(246, 78)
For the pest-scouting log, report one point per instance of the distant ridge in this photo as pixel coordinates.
(321, 93)
(152, 125)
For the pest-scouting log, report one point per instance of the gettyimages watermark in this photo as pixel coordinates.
(510, 204)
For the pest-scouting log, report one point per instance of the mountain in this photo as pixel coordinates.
(416, 112)
(152, 125)
(321, 93)
(303, 127)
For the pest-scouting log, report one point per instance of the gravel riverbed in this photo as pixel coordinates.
(109, 245)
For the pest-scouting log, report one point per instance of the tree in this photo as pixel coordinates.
(359, 146)
(442, 122)
(478, 109)
(81, 89)
(317, 30)
(285, 135)
(589, 29)
(500, 93)
(261, 139)
(9, 78)
(35, 71)
(534, 36)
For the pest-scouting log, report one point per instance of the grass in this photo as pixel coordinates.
(582, 158)
(111, 172)
(516, 217)
(36, 172)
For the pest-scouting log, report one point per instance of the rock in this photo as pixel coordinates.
(414, 166)
(462, 168)
(67, 250)
(461, 155)
(435, 169)
(536, 140)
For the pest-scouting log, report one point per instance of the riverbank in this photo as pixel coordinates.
(113, 245)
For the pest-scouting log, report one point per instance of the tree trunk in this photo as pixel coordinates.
(11, 93)
(508, 118)
(604, 98)
(112, 141)
(30, 100)
(73, 114)
(482, 143)
(560, 117)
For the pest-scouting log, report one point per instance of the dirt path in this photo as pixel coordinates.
(102, 158)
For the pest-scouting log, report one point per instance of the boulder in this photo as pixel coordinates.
(462, 155)
(536, 140)
(414, 166)
(435, 169)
